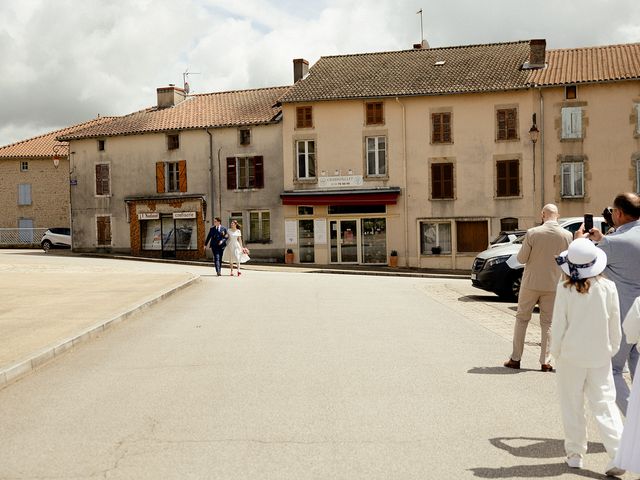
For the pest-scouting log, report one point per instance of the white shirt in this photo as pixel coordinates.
(586, 326)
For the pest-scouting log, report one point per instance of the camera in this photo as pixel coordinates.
(588, 222)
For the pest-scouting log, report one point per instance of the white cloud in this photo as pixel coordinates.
(67, 61)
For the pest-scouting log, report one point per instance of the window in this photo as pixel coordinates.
(303, 210)
(304, 118)
(441, 180)
(173, 142)
(572, 122)
(306, 154)
(102, 179)
(245, 172)
(508, 223)
(637, 106)
(245, 136)
(103, 226)
(441, 127)
(375, 113)
(508, 178)
(24, 166)
(433, 235)
(570, 92)
(259, 226)
(572, 179)
(101, 145)
(507, 124)
(472, 236)
(376, 156)
(171, 176)
(24, 194)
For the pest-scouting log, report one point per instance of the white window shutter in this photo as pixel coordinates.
(576, 122)
(638, 118)
(566, 123)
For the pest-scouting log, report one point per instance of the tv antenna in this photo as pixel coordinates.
(419, 12)
(185, 76)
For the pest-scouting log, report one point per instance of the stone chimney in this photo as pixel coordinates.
(170, 96)
(300, 69)
(537, 53)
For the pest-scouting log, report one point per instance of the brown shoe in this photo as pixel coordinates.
(512, 364)
(546, 367)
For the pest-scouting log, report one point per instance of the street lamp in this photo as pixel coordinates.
(533, 135)
(56, 155)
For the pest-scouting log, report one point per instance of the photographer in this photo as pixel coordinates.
(623, 268)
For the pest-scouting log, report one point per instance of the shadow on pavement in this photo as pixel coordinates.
(484, 299)
(535, 448)
(499, 370)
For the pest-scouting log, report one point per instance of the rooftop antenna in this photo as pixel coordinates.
(421, 30)
(186, 74)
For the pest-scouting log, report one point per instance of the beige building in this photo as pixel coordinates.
(34, 191)
(588, 104)
(425, 152)
(150, 183)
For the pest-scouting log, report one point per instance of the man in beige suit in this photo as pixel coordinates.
(541, 274)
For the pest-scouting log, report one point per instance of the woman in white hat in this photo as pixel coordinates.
(585, 334)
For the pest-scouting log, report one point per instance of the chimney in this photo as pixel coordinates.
(170, 96)
(537, 53)
(421, 45)
(300, 69)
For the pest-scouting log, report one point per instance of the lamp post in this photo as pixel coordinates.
(533, 135)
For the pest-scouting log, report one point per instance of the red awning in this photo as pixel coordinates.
(349, 197)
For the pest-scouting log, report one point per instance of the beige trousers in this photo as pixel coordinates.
(527, 300)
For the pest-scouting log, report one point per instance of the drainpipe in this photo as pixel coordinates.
(541, 148)
(211, 191)
(404, 168)
(219, 184)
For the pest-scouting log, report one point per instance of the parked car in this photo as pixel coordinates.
(59, 237)
(497, 269)
(505, 237)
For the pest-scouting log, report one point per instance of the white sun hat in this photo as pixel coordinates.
(582, 259)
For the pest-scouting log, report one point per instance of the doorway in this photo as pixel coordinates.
(345, 238)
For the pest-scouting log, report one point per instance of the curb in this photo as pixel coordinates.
(15, 371)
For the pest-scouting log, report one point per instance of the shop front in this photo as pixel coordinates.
(167, 227)
(339, 227)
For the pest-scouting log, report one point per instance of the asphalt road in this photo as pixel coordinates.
(278, 375)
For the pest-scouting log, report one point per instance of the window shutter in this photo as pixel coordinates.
(102, 179)
(182, 175)
(436, 183)
(576, 122)
(104, 230)
(160, 177)
(446, 127)
(502, 178)
(512, 130)
(231, 173)
(447, 180)
(514, 177)
(259, 171)
(437, 128)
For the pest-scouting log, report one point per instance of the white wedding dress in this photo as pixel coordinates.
(233, 252)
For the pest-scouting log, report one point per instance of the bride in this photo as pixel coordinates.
(235, 252)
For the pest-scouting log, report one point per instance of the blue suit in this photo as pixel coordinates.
(217, 240)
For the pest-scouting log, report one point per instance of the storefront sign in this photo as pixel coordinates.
(149, 216)
(320, 231)
(291, 232)
(184, 215)
(340, 181)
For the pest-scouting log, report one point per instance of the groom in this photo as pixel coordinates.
(217, 240)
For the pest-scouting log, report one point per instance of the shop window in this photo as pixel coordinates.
(150, 235)
(571, 122)
(306, 251)
(304, 210)
(103, 227)
(508, 178)
(572, 179)
(472, 236)
(304, 117)
(435, 238)
(375, 113)
(507, 124)
(376, 156)
(103, 186)
(441, 127)
(441, 181)
(245, 172)
(374, 240)
(259, 226)
(171, 176)
(306, 155)
(186, 232)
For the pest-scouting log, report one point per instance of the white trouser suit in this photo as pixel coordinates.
(585, 335)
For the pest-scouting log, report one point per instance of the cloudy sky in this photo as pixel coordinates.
(67, 61)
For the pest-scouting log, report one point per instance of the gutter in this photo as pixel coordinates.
(542, 178)
(406, 196)
(211, 192)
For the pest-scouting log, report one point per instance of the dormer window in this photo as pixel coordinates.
(570, 92)
(173, 142)
(245, 136)
(101, 145)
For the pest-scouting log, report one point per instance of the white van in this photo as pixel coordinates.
(497, 270)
